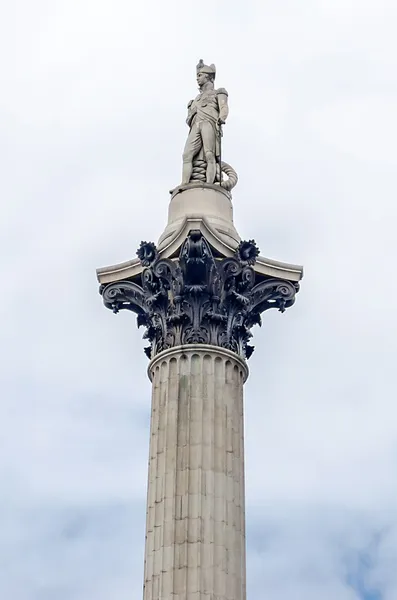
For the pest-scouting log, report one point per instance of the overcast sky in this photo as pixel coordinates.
(92, 122)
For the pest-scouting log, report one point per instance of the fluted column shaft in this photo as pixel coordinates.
(195, 529)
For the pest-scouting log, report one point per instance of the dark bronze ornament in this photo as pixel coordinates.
(198, 299)
(147, 253)
(247, 252)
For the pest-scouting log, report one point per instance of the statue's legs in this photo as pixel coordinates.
(208, 135)
(192, 147)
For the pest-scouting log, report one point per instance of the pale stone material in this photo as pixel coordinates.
(195, 529)
(207, 112)
(194, 202)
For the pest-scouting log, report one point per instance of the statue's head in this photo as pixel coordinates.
(205, 73)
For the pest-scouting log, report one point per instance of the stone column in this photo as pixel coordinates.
(198, 293)
(195, 530)
(198, 309)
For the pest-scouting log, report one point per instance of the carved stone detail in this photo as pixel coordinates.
(200, 169)
(199, 299)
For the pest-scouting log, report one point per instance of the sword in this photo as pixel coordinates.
(220, 153)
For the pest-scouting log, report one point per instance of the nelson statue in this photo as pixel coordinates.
(206, 115)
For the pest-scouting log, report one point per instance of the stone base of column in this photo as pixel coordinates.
(195, 530)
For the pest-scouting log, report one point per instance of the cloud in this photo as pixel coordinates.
(365, 127)
(92, 123)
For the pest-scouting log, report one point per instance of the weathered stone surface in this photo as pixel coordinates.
(195, 529)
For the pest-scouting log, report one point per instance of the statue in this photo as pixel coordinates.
(206, 115)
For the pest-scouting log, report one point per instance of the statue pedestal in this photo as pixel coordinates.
(206, 208)
(200, 206)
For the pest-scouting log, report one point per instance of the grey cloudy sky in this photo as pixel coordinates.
(92, 128)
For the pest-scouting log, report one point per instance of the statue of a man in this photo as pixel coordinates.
(206, 115)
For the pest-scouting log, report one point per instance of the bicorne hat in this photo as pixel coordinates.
(202, 68)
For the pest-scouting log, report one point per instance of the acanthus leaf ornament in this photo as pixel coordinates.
(197, 298)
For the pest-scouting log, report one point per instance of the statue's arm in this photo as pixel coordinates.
(223, 105)
(190, 113)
